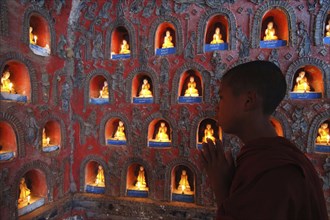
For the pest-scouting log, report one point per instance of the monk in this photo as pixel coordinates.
(272, 178)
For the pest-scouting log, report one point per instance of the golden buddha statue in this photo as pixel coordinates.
(270, 32)
(145, 89)
(104, 92)
(167, 40)
(45, 139)
(6, 84)
(33, 38)
(184, 183)
(301, 83)
(327, 28)
(191, 90)
(162, 135)
(120, 134)
(124, 48)
(100, 176)
(141, 179)
(324, 134)
(24, 191)
(208, 133)
(217, 37)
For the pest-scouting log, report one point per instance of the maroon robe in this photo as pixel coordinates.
(274, 180)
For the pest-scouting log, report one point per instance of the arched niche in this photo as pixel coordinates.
(140, 92)
(284, 17)
(321, 21)
(159, 133)
(119, 35)
(208, 129)
(94, 177)
(193, 77)
(161, 33)
(20, 79)
(51, 136)
(98, 90)
(8, 142)
(32, 191)
(39, 35)
(322, 140)
(115, 132)
(183, 184)
(277, 126)
(137, 181)
(214, 40)
(313, 133)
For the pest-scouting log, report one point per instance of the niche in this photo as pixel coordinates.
(217, 34)
(15, 82)
(32, 191)
(159, 133)
(326, 39)
(208, 129)
(307, 83)
(183, 182)
(8, 143)
(51, 136)
(39, 36)
(137, 181)
(115, 132)
(142, 89)
(190, 87)
(277, 126)
(120, 44)
(322, 142)
(165, 39)
(274, 29)
(94, 178)
(98, 90)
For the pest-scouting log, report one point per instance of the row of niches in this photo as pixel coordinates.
(275, 32)
(307, 83)
(159, 135)
(33, 193)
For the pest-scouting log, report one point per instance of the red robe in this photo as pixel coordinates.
(274, 180)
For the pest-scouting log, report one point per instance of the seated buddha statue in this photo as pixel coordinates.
(167, 40)
(217, 37)
(104, 92)
(120, 134)
(100, 176)
(208, 133)
(327, 29)
(145, 89)
(270, 32)
(33, 38)
(184, 183)
(301, 83)
(324, 134)
(141, 179)
(162, 135)
(6, 84)
(124, 48)
(191, 90)
(45, 139)
(24, 191)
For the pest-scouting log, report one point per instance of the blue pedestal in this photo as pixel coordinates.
(41, 51)
(120, 56)
(7, 155)
(212, 47)
(137, 193)
(182, 197)
(140, 100)
(325, 149)
(159, 144)
(116, 142)
(13, 97)
(305, 95)
(190, 99)
(95, 189)
(165, 51)
(272, 43)
(50, 148)
(326, 40)
(29, 208)
(99, 101)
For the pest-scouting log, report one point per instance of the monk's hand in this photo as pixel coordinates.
(219, 168)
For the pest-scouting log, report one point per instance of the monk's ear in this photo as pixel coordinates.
(251, 101)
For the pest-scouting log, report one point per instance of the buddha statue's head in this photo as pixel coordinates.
(270, 25)
(217, 30)
(184, 172)
(208, 126)
(191, 79)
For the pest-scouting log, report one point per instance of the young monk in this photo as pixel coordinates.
(272, 178)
